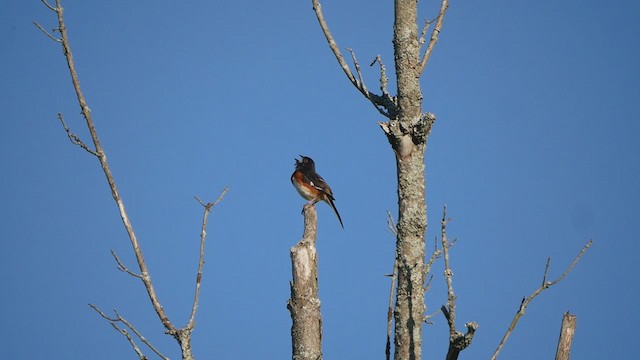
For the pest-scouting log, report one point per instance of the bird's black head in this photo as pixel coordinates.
(305, 163)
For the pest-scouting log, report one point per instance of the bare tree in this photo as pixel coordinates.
(407, 130)
(181, 334)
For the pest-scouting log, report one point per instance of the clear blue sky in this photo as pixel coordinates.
(535, 151)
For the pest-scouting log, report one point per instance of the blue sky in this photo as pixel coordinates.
(534, 151)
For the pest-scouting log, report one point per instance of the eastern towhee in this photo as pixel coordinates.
(312, 186)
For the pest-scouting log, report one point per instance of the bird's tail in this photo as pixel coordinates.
(329, 200)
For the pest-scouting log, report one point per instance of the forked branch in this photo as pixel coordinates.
(526, 301)
(444, 6)
(100, 154)
(203, 236)
(123, 330)
(457, 341)
(182, 335)
(384, 104)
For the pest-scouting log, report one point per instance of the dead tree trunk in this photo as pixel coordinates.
(304, 305)
(407, 131)
(408, 134)
(567, 330)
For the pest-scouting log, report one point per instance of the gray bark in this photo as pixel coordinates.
(304, 304)
(567, 330)
(407, 134)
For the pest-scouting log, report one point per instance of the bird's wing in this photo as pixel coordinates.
(318, 182)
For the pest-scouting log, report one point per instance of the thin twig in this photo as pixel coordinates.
(458, 341)
(139, 335)
(122, 267)
(391, 225)
(124, 332)
(357, 66)
(384, 80)
(203, 236)
(427, 318)
(47, 33)
(332, 43)
(49, 6)
(423, 33)
(444, 6)
(526, 301)
(448, 274)
(75, 140)
(434, 256)
(382, 104)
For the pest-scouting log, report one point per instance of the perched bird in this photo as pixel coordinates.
(312, 186)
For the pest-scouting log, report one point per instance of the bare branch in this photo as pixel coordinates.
(427, 318)
(423, 33)
(381, 103)
(384, 80)
(546, 271)
(457, 340)
(357, 65)
(49, 6)
(392, 227)
(100, 154)
(450, 314)
(435, 255)
(444, 6)
(573, 264)
(525, 301)
(203, 236)
(75, 140)
(125, 333)
(332, 43)
(122, 267)
(46, 32)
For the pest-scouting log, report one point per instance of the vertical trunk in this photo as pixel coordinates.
(409, 144)
(410, 305)
(566, 336)
(304, 305)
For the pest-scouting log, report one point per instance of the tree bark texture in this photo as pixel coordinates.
(567, 330)
(407, 134)
(304, 305)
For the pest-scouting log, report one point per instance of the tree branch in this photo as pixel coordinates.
(113, 322)
(100, 154)
(49, 6)
(444, 6)
(392, 227)
(46, 32)
(183, 335)
(122, 267)
(203, 236)
(381, 103)
(434, 256)
(75, 140)
(360, 81)
(525, 301)
(384, 81)
(457, 340)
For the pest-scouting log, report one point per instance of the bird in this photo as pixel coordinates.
(312, 186)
